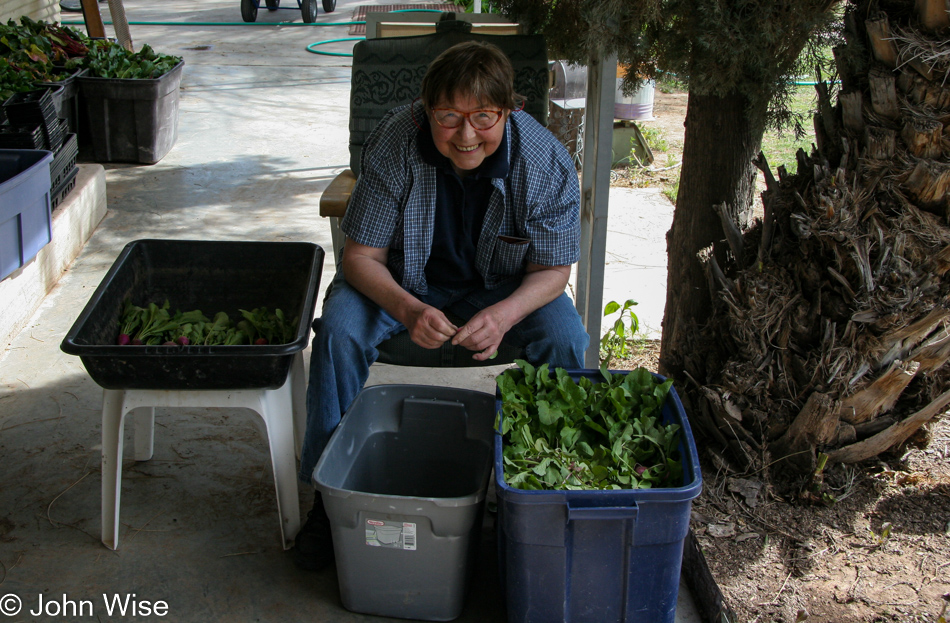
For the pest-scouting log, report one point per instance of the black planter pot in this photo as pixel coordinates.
(131, 120)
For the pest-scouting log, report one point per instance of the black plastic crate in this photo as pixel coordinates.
(64, 161)
(66, 100)
(62, 190)
(37, 107)
(21, 137)
(212, 276)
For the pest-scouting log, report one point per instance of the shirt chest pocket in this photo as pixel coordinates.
(508, 256)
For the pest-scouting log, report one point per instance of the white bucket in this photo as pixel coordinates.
(638, 106)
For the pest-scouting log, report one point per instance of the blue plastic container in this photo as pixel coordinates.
(25, 223)
(596, 556)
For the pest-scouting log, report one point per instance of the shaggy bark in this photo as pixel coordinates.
(833, 311)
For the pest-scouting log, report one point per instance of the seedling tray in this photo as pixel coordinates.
(64, 161)
(211, 276)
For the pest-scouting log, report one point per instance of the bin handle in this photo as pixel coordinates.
(602, 512)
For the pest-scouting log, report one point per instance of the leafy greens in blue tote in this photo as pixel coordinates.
(559, 433)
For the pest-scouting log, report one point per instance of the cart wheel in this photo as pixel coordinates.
(273, 5)
(249, 10)
(309, 10)
(329, 5)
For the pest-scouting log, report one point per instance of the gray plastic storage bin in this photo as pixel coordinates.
(403, 480)
(25, 221)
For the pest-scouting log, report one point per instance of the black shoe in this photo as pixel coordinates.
(313, 547)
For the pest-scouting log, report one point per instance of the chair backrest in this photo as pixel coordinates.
(387, 72)
(414, 23)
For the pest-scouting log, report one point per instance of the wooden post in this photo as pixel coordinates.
(595, 194)
(90, 13)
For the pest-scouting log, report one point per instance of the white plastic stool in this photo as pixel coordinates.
(283, 411)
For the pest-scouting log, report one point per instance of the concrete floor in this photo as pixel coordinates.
(262, 131)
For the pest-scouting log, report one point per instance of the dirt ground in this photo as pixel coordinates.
(877, 551)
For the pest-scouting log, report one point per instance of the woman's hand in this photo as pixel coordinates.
(365, 269)
(483, 332)
(428, 327)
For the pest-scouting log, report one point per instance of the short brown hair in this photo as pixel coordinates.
(471, 68)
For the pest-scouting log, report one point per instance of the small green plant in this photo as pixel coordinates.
(655, 138)
(670, 83)
(616, 342)
(672, 190)
(884, 534)
(468, 6)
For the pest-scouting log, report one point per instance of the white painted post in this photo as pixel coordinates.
(595, 193)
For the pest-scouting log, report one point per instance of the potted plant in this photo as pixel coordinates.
(34, 55)
(131, 101)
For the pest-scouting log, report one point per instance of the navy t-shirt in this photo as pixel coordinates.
(460, 206)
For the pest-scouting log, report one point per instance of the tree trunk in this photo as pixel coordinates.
(720, 143)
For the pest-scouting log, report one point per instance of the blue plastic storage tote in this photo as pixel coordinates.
(596, 556)
(25, 224)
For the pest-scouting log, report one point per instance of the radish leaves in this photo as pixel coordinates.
(559, 433)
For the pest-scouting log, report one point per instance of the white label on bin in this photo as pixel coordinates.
(394, 534)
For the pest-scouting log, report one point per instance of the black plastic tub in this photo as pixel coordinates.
(212, 276)
(131, 119)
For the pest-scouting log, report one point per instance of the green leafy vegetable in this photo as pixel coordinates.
(32, 52)
(107, 59)
(559, 433)
(153, 324)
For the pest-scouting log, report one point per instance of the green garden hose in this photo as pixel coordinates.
(310, 48)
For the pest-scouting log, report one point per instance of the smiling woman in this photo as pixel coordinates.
(465, 133)
(466, 210)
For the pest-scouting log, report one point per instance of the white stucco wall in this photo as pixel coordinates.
(40, 10)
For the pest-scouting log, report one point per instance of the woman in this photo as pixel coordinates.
(463, 203)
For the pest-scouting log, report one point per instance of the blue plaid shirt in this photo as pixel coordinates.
(533, 214)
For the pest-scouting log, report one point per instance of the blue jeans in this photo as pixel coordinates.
(351, 326)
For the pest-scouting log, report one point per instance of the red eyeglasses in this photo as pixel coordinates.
(450, 118)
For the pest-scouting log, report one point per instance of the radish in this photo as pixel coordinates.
(261, 341)
(170, 343)
(124, 339)
(137, 342)
(184, 341)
